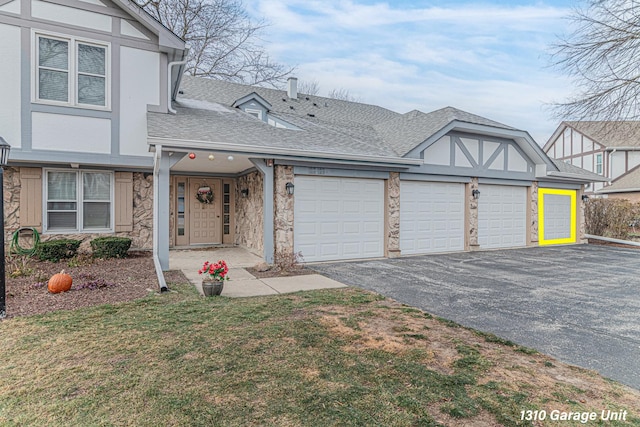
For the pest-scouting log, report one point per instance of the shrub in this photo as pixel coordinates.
(57, 249)
(110, 247)
(288, 261)
(610, 217)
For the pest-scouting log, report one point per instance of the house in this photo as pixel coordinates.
(108, 138)
(610, 149)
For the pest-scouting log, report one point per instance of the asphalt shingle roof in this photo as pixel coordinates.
(326, 124)
(575, 170)
(610, 133)
(408, 130)
(629, 181)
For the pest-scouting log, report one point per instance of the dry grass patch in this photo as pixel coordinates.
(321, 358)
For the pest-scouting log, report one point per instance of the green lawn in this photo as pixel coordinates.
(335, 357)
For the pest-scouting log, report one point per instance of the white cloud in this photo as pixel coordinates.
(488, 60)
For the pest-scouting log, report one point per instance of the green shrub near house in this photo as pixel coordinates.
(110, 247)
(56, 249)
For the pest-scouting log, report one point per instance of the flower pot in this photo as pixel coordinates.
(211, 287)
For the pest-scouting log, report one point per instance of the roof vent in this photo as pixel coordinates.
(292, 87)
(311, 115)
(315, 104)
(306, 97)
(291, 107)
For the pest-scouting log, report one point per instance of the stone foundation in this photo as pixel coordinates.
(249, 229)
(141, 235)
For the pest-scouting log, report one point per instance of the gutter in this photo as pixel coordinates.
(258, 150)
(156, 260)
(614, 149)
(568, 175)
(169, 94)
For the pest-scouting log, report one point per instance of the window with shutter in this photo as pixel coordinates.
(78, 201)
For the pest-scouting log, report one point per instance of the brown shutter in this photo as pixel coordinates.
(31, 198)
(124, 201)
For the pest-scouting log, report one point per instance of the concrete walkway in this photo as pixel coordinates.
(241, 283)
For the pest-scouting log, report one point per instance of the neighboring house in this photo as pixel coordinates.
(609, 149)
(99, 149)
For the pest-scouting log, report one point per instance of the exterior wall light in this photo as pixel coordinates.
(289, 186)
(244, 192)
(476, 194)
(585, 197)
(4, 158)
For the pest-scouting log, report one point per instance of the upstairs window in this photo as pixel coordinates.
(599, 163)
(71, 72)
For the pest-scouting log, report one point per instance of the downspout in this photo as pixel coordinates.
(169, 94)
(156, 194)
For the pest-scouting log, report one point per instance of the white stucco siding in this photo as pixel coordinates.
(587, 162)
(11, 7)
(617, 164)
(61, 132)
(10, 121)
(139, 86)
(634, 159)
(70, 15)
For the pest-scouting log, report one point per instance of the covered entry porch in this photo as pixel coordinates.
(204, 197)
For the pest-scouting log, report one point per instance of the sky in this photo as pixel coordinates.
(490, 58)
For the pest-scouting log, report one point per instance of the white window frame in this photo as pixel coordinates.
(254, 112)
(599, 163)
(79, 202)
(72, 72)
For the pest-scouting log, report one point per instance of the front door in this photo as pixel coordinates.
(205, 224)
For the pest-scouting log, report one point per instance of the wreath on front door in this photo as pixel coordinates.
(205, 195)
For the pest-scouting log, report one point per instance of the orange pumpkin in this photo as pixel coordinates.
(60, 282)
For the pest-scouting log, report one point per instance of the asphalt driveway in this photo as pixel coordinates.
(580, 304)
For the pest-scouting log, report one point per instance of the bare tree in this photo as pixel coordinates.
(602, 56)
(223, 40)
(343, 94)
(309, 87)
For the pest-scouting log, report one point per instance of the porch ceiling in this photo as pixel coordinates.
(221, 163)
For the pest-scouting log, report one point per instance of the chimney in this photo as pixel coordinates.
(292, 87)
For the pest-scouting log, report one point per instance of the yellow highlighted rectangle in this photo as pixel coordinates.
(542, 192)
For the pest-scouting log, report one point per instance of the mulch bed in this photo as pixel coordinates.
(95, 282)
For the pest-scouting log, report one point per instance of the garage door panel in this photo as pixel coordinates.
(557, 216)
(431, 217)
(502, 218)
(349, 218)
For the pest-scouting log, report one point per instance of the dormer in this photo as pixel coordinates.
(255, 105)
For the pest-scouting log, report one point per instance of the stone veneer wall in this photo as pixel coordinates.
(473, 215)
(283, 213)
(11, 202)
(249, 216)
(582, 225)
(393, 214)
(142, 234)
(534, 213)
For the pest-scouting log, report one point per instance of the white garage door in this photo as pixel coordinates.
(502, 216)
(557, 217)
(431, 217)
(338, 218)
